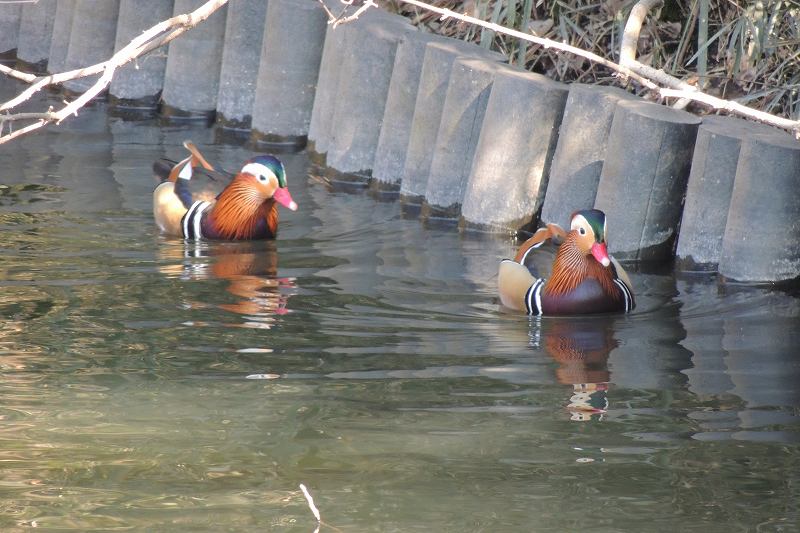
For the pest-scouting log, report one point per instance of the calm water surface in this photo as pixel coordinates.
(155, 385)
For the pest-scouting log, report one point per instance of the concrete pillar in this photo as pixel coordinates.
(761, 235)
(325, 96)
(509, 173)
(35, 33)
(580, 151)
(9, 30)
(457, 138)
(59, 41)
(137, 85)
(287, 75)
(708, 193)
(390, 153)
(244, 30)
(436, 66)
(91, 41)
(644, 177)
(191, 81)
(361, 97)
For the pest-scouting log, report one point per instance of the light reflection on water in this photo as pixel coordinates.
(149, 383)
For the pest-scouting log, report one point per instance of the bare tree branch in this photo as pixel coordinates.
(157, 36)
(673, 87)
(656, 80)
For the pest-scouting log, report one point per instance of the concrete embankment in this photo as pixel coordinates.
(445, 127)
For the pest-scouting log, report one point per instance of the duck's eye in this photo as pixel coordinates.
(582, 231)
(261, 178)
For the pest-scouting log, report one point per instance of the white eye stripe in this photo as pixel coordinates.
(578, 222)
(258, 170)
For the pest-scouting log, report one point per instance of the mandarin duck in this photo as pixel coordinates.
(245, 209)
(584, 278)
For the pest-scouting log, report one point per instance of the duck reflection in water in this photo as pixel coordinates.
(250, 267)
(581, 347)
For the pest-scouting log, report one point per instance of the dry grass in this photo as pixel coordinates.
(751, 52)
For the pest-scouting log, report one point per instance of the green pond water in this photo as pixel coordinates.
(151, 384)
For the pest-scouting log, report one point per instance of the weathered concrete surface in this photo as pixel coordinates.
(708, 193)
(581, 150)
(241, 55)
(644, 177)
(760, 244)
(91, 41)
(509, 173)
(35, 33)
(287, 77)
(138, 84)
(9, 29)
(429, 104)
(59, 40)
(191, 81)
(462, 116)
(390, 154)
(325, 96)
(361, 96)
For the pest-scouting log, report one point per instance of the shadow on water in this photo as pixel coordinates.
(149, 383)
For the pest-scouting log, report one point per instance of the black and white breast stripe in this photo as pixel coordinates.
(533, 298)
(630, 303)
(191, 220)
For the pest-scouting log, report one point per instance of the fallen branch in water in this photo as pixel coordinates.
(155, 37)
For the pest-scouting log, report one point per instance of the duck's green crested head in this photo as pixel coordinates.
(590, 228)
(594, 219)
(272, 163)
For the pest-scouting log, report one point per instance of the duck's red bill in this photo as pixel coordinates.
(283, 197)
(600, 253)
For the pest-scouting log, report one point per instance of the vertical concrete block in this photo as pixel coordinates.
(191, 81)
(287, 74)
(760, 244)
(337, 51)
(644, 177)
(137, 85)
(59, 41)
(509, 173)
(580, 151)
(244, 32)
(91, 41)
(433, 81)
(457, 138)
(324, 98)
(35, 32)
(9, 29)
(708, 193)
(390, 154)
(361, 98)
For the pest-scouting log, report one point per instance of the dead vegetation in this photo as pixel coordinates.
(745, 51)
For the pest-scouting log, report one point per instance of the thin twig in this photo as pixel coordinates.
(310, 501)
